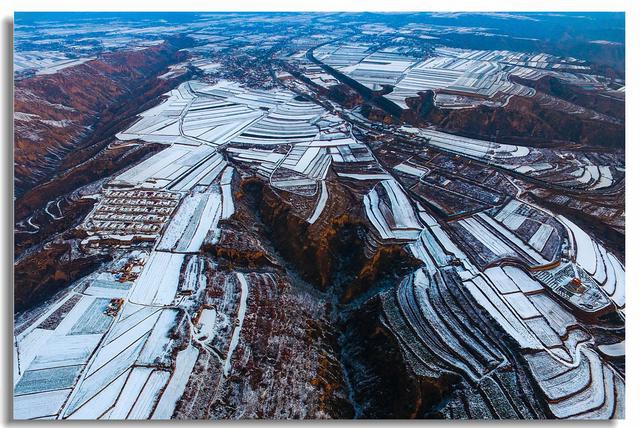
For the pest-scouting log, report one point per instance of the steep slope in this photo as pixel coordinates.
(58, 114)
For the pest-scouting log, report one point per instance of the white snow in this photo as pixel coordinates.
(365, 176)
(494, 305)
(135, 382)
(156, 346)
(525, 283)
(148, 397)
(582, 246)
(227, 196)
(539, 239)
(37, 405)
(410, 170)
(556, 315)
(401, 207)
(158, 282)
(537, 258)
(522, 305)
(322, 201)
(618, 295)
(102, 401)
(185, 362)
(94, 382)
(28, 348)
(499, 278)
(606, 178)
(406, 225)
(65, 351)
(235, 338)
(614, 349)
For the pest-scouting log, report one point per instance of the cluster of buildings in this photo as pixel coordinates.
(124, 215)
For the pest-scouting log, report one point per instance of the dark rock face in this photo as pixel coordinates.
(331, 256)
(287, 363)
(382, 383)
(522, 120)
(40, 275)
(605, 104)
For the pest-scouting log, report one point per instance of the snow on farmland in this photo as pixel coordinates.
(100, 377)
(114, 345)
(582, 245)
(27, 347)
(202, 172)
(49, 379)
(618, 294)
(486, 237)
(428, 250)
(185, 361)
(395, 219)
(157, 167)
(488, 299)
(540, 237)
(606, 178)
(227, 195)
(522, 305)
(586, 390)
(288, 123)
(156, 348)
(436, 331)
(65, 350)
(94, 319)
(525, 283)
(52, 358)
(235, 338)
(559, 318)
(206, 324)
(480, 149)
(499, 278)
(132, 316)
(148, 398)
(613, 350)
(102, 401)
(158, 282)
(364, 177)
(410, 169)
(196, 216)
(508, 215)
(514, 239)
(136, 380)
(193, 115)
(32, 406)
(401, 207)
(322, 201)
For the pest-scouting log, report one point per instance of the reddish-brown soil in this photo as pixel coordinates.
(80, 106)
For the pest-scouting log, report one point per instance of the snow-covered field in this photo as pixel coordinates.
(158, 281)
(196, 216)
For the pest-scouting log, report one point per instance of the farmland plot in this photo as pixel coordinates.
(158, 282)
(185, 362)
(117, 373)
(196, 216)
(49, 379)
(394, 219)
(39, 405)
